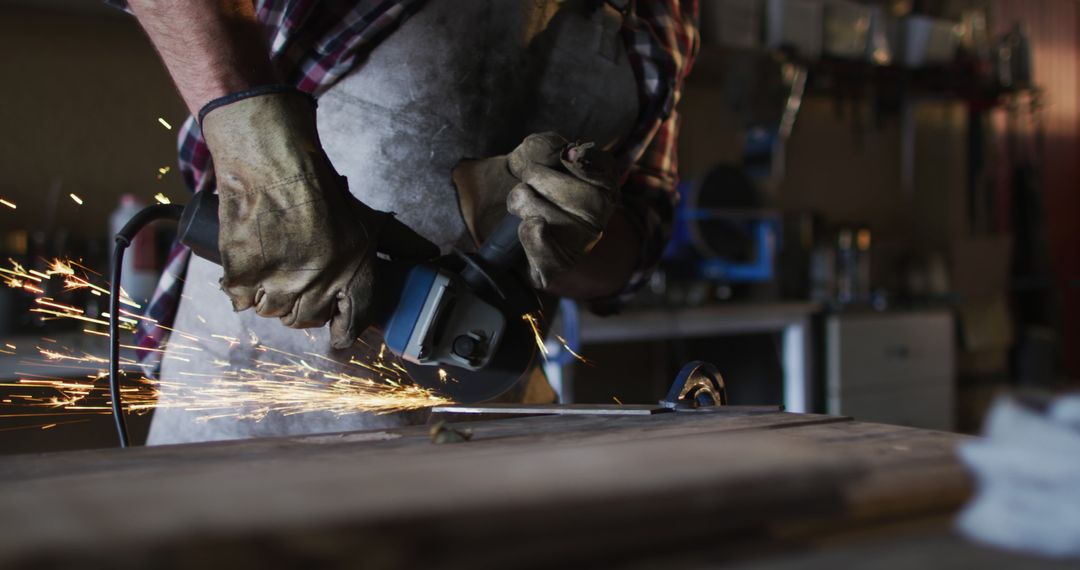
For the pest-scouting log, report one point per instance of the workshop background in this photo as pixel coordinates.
(878, 213)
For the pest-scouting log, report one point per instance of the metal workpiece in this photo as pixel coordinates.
(487, 412)
(698, 388)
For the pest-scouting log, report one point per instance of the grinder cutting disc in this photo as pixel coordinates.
(480, 298)
(514, 360)
(436, 307)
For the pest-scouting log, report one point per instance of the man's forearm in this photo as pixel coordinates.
(210, 47)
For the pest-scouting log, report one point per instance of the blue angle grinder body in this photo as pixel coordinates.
(455, 321)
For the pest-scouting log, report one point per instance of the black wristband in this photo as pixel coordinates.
(247, 94)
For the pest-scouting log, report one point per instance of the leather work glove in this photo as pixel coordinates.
(295, 244)
(564, 193)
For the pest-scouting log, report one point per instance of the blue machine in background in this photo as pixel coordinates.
(724, 230)
(725, 244)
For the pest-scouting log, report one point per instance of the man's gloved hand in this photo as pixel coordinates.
(295, 244)
(566, 197)
(563, 192)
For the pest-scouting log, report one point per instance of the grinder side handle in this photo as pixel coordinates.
(199, 231)
(199, 226)
(502, 249)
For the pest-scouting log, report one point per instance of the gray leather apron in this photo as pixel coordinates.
(461, 79)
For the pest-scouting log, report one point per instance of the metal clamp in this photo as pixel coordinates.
(698, 385)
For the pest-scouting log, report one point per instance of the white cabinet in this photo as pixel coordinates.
(894, 368)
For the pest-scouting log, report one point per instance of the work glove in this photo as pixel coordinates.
(295, 244)
(564, 193)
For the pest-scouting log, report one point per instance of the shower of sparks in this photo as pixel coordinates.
(162, 198)
(71, 275)
(534, 321)
(8, 204)
(570, 351)
(273, 381)
(42, 427)
(75, 198)
(444, 376)
(164, 123)
(249, 391)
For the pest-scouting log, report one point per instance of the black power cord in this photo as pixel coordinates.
(123, 239)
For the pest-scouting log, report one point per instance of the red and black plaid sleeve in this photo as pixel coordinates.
(662, 39)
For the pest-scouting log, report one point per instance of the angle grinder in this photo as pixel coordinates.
(455, 321)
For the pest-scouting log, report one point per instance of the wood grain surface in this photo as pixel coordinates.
(604, 489)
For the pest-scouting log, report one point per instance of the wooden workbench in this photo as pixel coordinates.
(668, 489)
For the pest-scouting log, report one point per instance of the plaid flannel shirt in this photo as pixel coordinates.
(314, 43)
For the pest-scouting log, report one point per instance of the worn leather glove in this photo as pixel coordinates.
(564, 193)
(295, 244)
